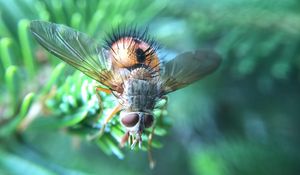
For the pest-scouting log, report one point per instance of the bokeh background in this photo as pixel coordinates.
(241, 120)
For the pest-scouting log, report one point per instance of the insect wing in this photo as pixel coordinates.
(187, 68)
(75, 48)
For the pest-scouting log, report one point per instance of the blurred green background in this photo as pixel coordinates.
(241, 120)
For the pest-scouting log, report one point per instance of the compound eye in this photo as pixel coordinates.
(130, 119)
(148, 120)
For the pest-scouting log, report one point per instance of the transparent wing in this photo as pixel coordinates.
(187, 68)
(75, 48)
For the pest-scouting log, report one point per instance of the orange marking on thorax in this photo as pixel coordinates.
(124, 53)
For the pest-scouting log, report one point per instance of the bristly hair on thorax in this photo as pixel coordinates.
(131, 31)
(128, 36)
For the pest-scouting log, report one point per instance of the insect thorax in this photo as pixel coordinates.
(141, 90)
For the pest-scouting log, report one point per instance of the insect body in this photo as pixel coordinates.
(128, 65)
(140, 95)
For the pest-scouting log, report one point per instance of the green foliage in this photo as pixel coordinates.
(246, 157)
(65, 100)
(14, 122)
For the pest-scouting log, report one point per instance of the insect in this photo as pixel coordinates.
(128, 65)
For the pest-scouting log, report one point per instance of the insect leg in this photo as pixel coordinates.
(124, 139)
(150, 157)
(150, 137)
(107, 119)
(113, 113)
(101, 89)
